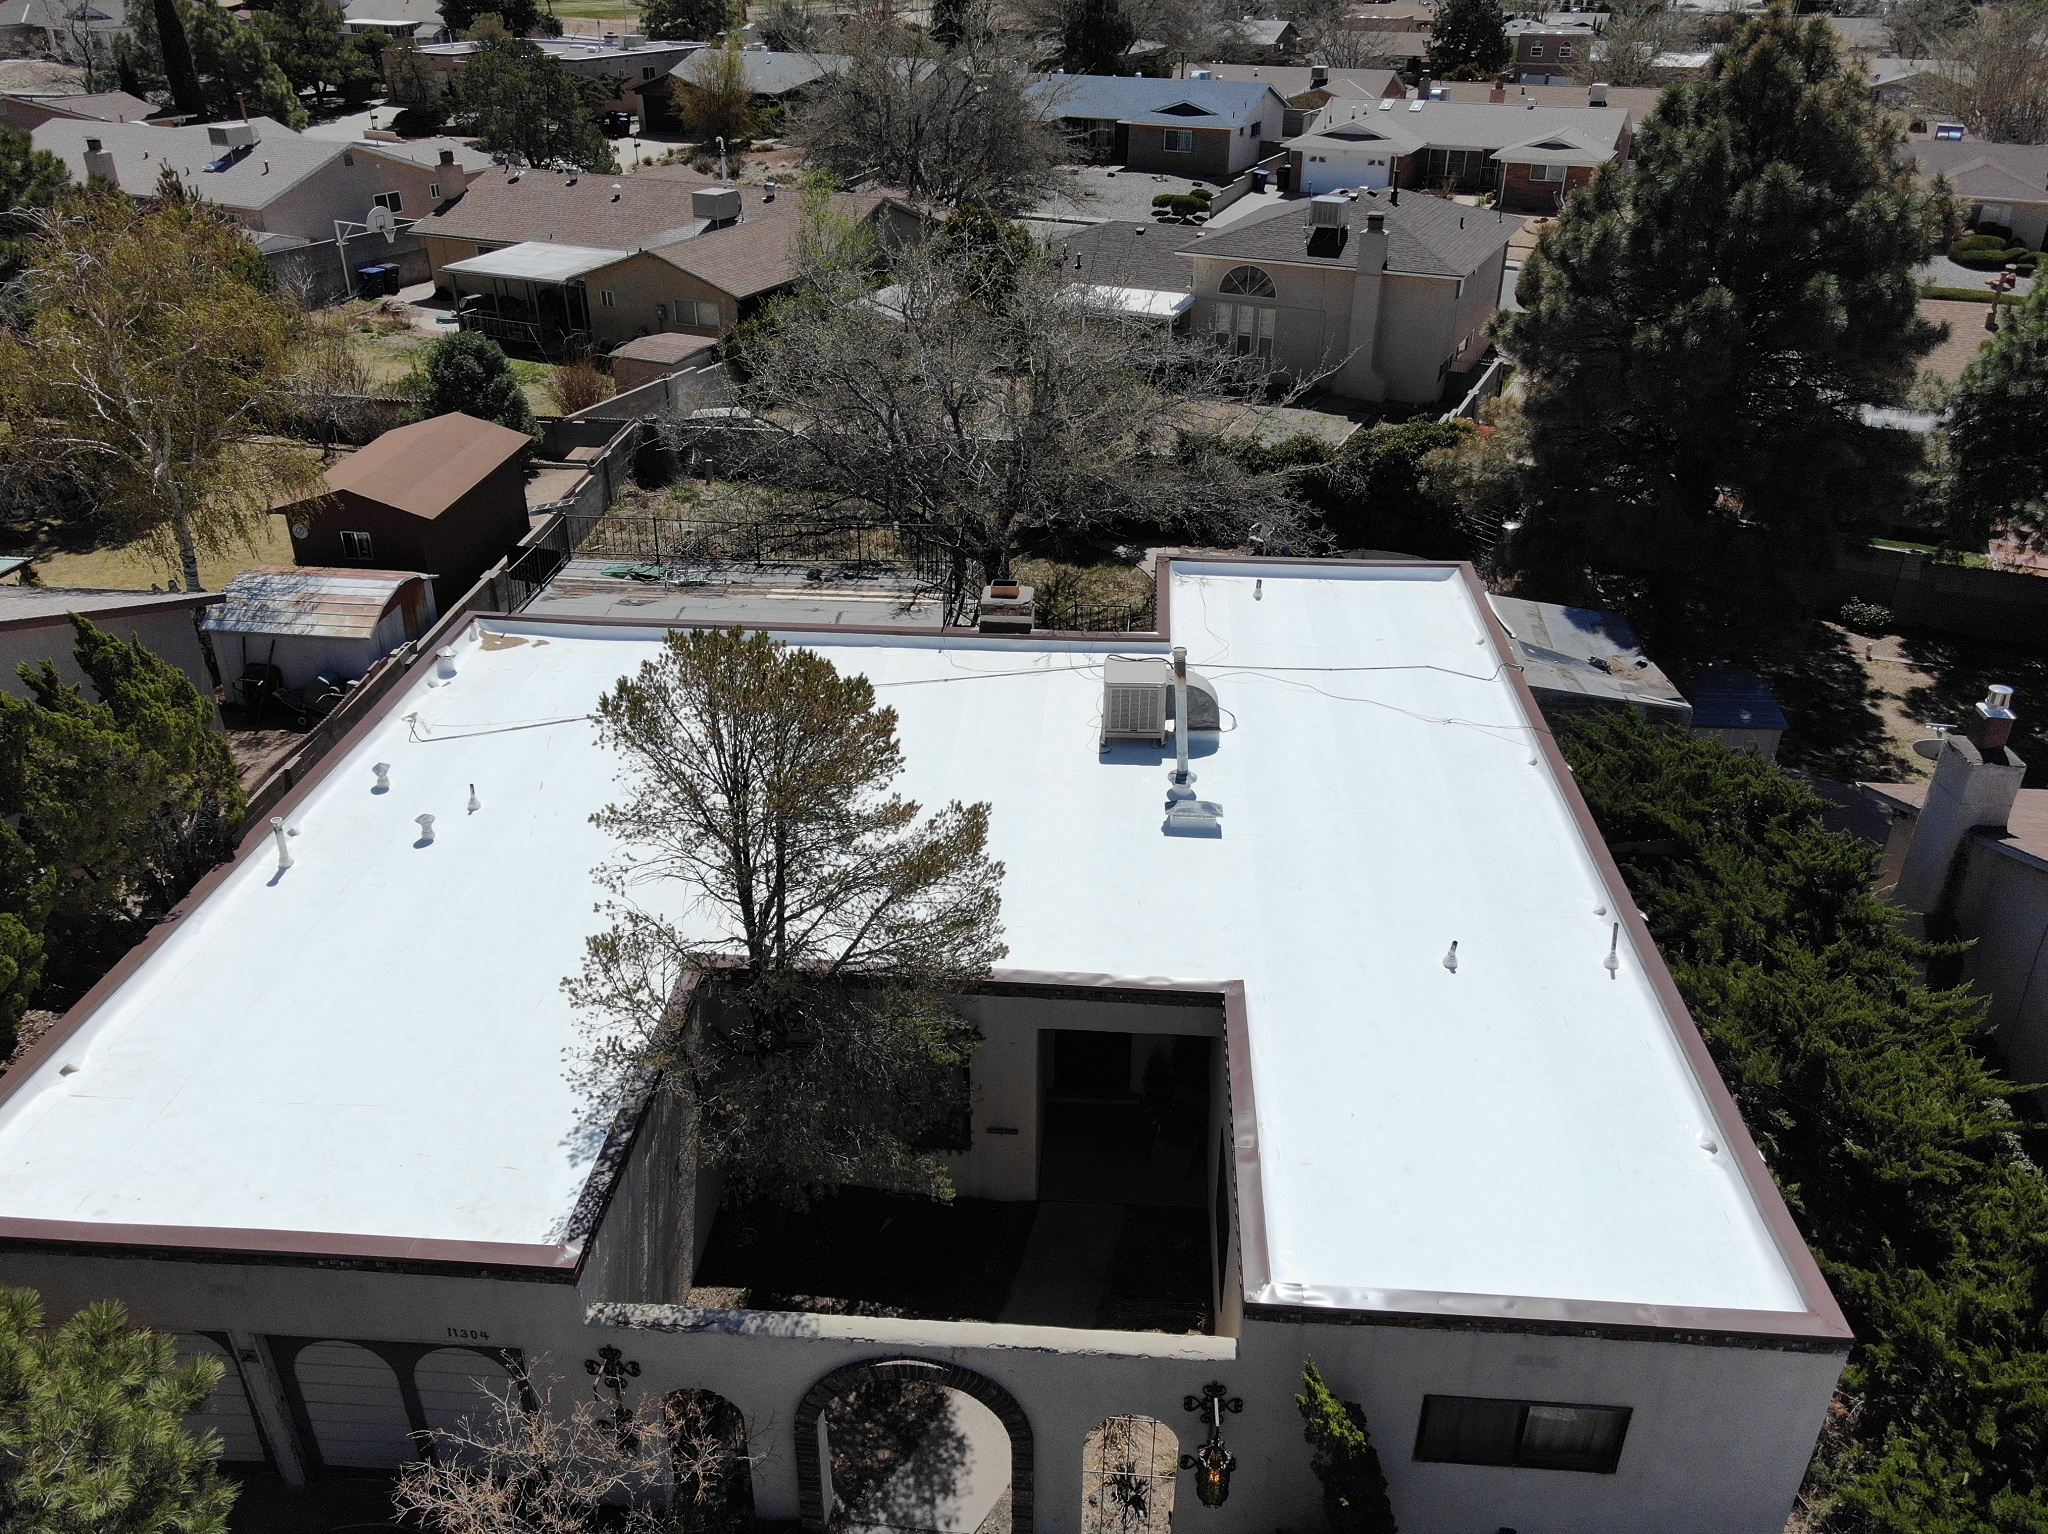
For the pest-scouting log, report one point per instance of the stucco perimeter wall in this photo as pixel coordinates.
(1717, 1445)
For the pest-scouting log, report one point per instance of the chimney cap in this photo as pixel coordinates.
(1375, 222)
(1997, 702)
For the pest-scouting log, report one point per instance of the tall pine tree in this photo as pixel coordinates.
(1998, 431)
(1699, 334)
(1468, 40)
(1095, 36)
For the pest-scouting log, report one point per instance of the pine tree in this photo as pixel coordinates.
(174, 57)
(1997, 431)
(516, 99)
(117, 807)
(236, 72)
(949, 22)
(1468, 40)
(469, 373)
(31, 181)
(1095, 36)
(91, 1436)
(1345, 1462)
(521, 18)
(307, 43)
(1699, 334)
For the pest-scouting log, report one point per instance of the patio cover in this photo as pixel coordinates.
(538, 261)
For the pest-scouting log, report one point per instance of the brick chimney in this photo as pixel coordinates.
(1976, 780)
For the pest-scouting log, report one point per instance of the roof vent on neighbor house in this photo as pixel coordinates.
(241, 135)
(715, 204)
(1328, 211)
(99, 164)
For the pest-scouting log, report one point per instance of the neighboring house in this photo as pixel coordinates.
(73, 31)
(1381, 300)
(1551, 50)
(1530, 155)
(1269, 39)
(292, 625)
(1131, 267)
(546, 260)
(1309, 89)
(25, 111)
(631, 67)
(1213, 128)
(773, 77)
(1636, 100)
(1236, 1104)
(1579, 660)
(417, 20)
(1996, 184)
(35, 626)
(1968, 852)
(1862, 34)
(1902, 84)
(273, 180)
(1406, 16)
(446, 497)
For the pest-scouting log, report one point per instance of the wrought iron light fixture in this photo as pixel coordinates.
(1212, 1462)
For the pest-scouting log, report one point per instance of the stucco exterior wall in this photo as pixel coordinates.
(1417, 335)
(2002, 904)
(1717, 1444)
(343, 191)
(639, 287)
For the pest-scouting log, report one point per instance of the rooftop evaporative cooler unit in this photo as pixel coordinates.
(1137, 700)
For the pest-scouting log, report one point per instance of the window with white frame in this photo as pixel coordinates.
(1564, 50)
(1534, 1435)
(434, 189)
(1535, 48)
(1546, 173)
(698, 312)
(356, 546)
(1179, 140)
(389, 201)
(605, 299)
(1247, 282)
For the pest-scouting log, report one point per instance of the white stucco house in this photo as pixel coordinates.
(1380, 1069)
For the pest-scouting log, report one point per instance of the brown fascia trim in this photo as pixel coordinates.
(1822, 1319)
(170, 602)
(295, 1248)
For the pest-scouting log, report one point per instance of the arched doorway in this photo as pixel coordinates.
(890, 1431)
(1128, 1470)
(714, 1477)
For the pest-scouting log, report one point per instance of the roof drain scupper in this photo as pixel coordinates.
(1185, 814)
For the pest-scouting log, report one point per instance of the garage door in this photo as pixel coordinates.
(452, 1382)
(354, 1407)
(226, 1413)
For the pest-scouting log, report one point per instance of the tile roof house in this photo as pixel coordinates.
(2002, 184)
(1381, 300)
(281, 184)
(446, 497)
(1216, 128)
(1531, 154)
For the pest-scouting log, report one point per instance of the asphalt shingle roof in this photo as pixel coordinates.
(1124, 254)
(101, 106)
(280, 161)
(555, 208)
(1485, 126)
(753, 255)
(1427, 236)
(768, 73)
(1977, 168)
(1131, 99)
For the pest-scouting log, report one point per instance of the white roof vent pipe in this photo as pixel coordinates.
(1182, 786)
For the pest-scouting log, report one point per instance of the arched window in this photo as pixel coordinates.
(1247, 282)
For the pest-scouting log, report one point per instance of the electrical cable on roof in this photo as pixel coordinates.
(420, 730)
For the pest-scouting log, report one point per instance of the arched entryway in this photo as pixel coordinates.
(908, 1390)
(714, 1480)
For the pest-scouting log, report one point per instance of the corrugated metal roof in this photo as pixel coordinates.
(313, 601)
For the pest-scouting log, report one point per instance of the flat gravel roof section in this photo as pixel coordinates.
(374, 1041)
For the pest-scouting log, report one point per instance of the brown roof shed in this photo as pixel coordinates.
(445, 496)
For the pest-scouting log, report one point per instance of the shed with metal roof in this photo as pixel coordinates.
(312, 622)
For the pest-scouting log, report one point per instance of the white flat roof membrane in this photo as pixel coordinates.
(375, 1041)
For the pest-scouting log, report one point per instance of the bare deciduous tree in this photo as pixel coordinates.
(994, 407)
(523, 1463)
(836, 916)
(1993, 76)
(949, 126)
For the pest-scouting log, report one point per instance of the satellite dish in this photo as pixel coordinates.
(381, 222)
(302, 531)
(1931, 749)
